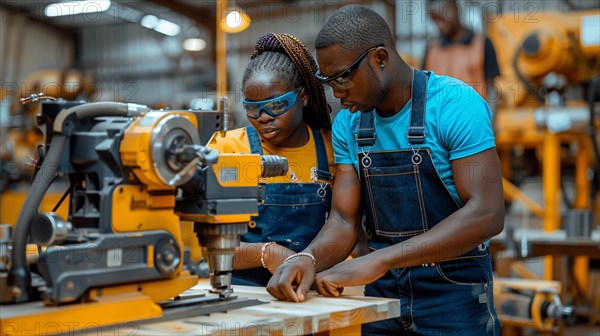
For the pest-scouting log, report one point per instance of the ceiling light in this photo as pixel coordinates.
(160, 25)
(235, 21)
(167, 27)
(76, 7)
(194, 44)
(149, 21)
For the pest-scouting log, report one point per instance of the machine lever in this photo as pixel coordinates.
(35, 97)
(184, 172)
(204, 155)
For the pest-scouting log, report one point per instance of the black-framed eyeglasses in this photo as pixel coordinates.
(341, 80)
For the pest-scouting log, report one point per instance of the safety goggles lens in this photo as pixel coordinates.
(273, 107)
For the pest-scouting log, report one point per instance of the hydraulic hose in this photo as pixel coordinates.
(528, 86)
(91, 110)
(19, 276)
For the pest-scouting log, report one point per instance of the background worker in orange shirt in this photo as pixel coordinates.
(459, 52)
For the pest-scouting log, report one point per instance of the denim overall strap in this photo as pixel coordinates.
(405, 197)
(290, 214)
(254, 140)
(416, 130)
(322, 170)
(365, 136)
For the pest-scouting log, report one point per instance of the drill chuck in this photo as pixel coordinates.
(218, 242)
(273, 165)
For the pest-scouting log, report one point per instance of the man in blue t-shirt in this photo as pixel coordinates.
(415, 151)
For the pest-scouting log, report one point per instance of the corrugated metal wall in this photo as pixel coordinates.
(28, 46)
(135, 64)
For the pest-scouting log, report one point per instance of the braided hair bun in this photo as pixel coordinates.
(266, 43)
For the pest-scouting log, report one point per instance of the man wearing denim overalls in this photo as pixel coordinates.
(415, 151)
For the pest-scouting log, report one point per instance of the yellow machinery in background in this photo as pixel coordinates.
(544, 65)
(21, 136)
(530, 303)
(550, 81)
(134, 174)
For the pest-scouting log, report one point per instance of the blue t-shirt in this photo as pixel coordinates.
(457, 125)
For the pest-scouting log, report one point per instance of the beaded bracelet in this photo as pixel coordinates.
(262, 252)
(314, 261)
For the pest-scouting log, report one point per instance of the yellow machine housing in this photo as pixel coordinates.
(556, 42)
(135, 174)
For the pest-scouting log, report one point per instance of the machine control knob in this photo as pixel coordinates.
(167, 256)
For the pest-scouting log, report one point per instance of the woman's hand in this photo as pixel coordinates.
(274, 256)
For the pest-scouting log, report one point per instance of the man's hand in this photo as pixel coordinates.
(292, 280)
(354, 272)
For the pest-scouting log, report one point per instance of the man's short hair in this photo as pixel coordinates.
(355, 29)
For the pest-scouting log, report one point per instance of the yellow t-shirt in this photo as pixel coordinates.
(300, 159)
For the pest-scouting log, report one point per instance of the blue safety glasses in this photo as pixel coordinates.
(273, 107)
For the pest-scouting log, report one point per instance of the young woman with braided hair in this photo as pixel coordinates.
(289, 116)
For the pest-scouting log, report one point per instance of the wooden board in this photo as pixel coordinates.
(340, 316)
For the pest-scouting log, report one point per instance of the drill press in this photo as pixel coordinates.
(134, 174)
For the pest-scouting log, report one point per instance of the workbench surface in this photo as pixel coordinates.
(535, 243)
(340, 316)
